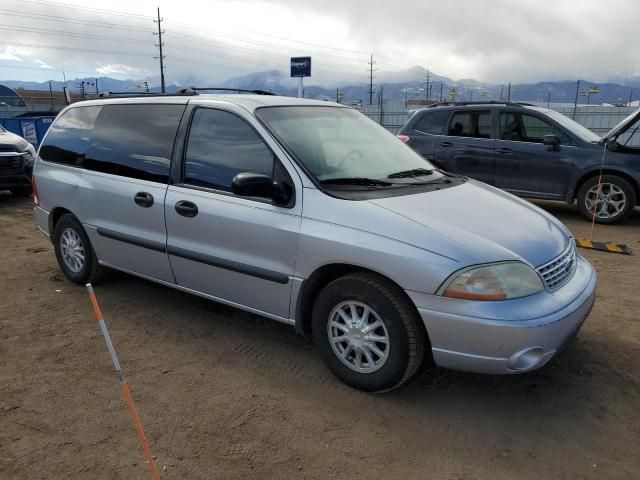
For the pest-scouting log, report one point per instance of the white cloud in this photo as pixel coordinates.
(9, 53)
(495, 40)
(122, 69)
(43, 64)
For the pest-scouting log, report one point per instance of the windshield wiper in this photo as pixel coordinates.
(362, 181)
(414, 172)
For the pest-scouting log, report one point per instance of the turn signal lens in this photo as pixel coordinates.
(501, 281)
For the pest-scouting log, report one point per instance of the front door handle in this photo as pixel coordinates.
(504, 151)
(144, 199)
(186, 208)
(446, 144)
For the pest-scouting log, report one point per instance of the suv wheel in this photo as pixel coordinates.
(368, 333)
(74, 252)
(613, 200)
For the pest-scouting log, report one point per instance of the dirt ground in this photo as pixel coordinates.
(226, 395)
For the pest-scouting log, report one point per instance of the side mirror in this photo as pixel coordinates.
(249, 184)
(551, 141)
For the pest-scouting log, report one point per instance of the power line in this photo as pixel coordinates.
(45, 31)
(89, 9)
(58, 47)
(57, 19)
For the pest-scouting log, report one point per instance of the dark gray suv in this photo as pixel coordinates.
(533, 152)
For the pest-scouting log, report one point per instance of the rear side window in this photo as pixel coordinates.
(470, 124)
(134, 141)
(220, 146)
(68, 138)
(129, 140)
(432, 122)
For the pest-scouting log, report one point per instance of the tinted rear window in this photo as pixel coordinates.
(129, 140)
(68, 138)
(432, 122)
(134, 141)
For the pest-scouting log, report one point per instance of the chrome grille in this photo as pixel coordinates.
(10, 165)
(559, 270)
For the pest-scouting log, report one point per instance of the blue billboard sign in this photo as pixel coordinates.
(300, 66)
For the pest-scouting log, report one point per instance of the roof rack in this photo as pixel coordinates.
(239, 90)
(486, 102)
(183, 92)
(188, 91)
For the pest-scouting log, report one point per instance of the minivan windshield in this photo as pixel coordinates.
(338, 144)
(583, 133)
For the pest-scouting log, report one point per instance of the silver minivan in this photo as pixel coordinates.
(308, 213)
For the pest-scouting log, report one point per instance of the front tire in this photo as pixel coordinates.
(368, 333)
(613, 202)
(74, 252)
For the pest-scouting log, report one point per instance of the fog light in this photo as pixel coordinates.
(525, 359)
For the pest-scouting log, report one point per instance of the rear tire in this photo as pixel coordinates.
(608, 206)
(368, 333)
(74, 252)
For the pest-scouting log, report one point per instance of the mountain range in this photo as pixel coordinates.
(395, 86)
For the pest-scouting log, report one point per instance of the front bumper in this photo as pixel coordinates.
(510, 336)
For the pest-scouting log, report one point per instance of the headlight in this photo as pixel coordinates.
(500, 281)
(30, 155)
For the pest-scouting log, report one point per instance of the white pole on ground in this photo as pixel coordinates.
(300, 87)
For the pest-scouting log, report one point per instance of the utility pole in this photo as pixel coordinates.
(501, 91)
(428, 91)
(548, 98)
(82, 89)
(509, 93)
(630, 96)
(575, 103)
(50, 97)
(441, 85)
(160, 45)
(97, 92)
(371, 77)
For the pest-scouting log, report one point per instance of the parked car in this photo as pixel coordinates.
(533, 152)
(16, 162)
(308, 213)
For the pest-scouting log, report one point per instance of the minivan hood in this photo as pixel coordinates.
(623, 126)
(493, 225)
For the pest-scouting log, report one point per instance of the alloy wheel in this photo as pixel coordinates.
(72, 250)
(358, 336)
(608, 200)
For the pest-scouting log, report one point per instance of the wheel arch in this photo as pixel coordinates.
(54, 216)
(320, 278)
(606, 171)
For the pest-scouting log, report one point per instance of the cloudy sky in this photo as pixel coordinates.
(209, 41)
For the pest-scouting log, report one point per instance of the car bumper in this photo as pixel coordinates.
(14, 181)
(42, 220)
(511, 336)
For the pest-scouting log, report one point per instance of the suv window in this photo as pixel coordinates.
(220, 146)
(522, 127)
(470, 124)
(432, 122)
(134, 140)
(67, 140)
